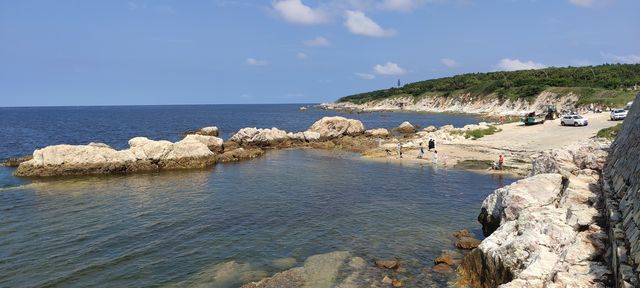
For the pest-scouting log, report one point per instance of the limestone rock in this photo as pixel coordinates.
(333, 127)
(406, 128)
(143, 155)
(207, 131)
(259, 137)
(505, 203)
(214, 144)
(430, 128)
(378, 132)
(306, 136)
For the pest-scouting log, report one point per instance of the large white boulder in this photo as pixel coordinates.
(259, 137)
(406, 127)
(333, 127)
(143, 155)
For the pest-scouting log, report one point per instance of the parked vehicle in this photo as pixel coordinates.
(531, 118)
(628, 106)
(574, 120)
(618, 114)
(552, 113)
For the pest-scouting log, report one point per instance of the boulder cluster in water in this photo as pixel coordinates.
(199, 149)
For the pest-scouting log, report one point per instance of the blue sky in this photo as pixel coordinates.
(288, 51)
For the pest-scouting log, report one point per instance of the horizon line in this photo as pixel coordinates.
(134, 105)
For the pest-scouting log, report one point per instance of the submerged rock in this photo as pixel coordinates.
(442, 268)
(467, 243)
(334, 127)
(318, 271)
(14, 162)
(387, 264)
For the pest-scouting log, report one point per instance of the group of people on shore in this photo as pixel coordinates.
(431, 146)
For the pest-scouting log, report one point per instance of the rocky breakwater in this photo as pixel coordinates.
(622, 192)
(545, 230)
(194, 151)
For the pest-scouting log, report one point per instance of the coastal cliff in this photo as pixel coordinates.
(572, 223)
(466, 103)
(506, 92)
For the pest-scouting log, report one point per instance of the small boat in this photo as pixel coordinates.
(303, 108)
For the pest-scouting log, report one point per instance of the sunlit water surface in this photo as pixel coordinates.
(160, 229)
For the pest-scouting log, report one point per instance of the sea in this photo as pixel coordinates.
(232, 223)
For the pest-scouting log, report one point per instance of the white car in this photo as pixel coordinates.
(628, 105)
(618, 114)
(574, 120)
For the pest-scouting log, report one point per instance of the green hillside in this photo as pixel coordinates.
(607, 84)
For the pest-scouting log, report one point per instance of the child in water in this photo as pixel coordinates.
(435, 156)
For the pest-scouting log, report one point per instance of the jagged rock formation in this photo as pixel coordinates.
(543, 230)
(334, 127)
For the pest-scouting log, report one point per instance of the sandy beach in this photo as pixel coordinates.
(515, 141)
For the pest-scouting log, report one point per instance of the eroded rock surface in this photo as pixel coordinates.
(333, 127)
(542, 230)
(194, 151)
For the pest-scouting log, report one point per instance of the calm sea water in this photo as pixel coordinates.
(179, 227)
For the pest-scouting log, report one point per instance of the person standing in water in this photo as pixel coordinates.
(399, 150)
(435, 157)
(420, 151)
(432, 144)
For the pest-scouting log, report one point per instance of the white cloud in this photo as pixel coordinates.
(388, 68)
(256, 62)
(627, 59)
(317, 42)
(358, 23)
(582, 3)
(507, 64)
(449, 62)
(301, 56)
(366, 76)
(398, 5)
(295, 11)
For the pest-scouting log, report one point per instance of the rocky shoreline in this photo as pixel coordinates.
(201, 150)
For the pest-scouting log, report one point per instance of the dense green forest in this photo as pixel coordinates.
(607, 84)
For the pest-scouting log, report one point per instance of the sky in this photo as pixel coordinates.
(90, 52)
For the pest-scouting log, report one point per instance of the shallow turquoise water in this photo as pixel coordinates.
(163, 228)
